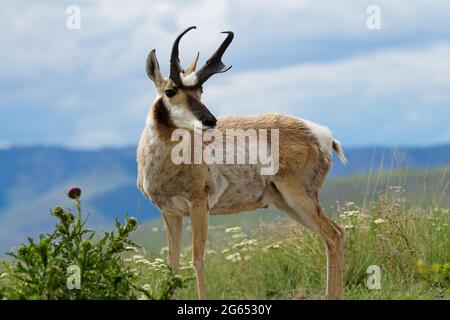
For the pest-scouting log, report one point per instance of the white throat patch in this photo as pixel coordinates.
(182, 117)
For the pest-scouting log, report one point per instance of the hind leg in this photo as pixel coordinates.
(306, 209)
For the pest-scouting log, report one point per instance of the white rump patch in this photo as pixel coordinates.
(323, 135)
(190, 80)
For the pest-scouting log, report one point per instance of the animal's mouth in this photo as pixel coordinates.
(209, 123)
(207, 127)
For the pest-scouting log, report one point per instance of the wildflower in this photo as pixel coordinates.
(436, 267)
(159, 260)
(127, 260)
(238, 236)
(421, 268)
(211, 251)
(245, 243)
(351, 213)
(155, 266)
(143, 261)
(163, 250)
(131, 224)
(187, 267)
(4, 274)
(396, 189)
(274, 246)
(147, 287)
(348, 226)
(132, 249)
(233, 230)
(74, 193)
(137, 257)
(234, 257)
(350, 204)
(379, 221)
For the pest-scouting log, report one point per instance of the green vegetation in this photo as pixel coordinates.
(71, 263)
(398, 221)
(284, 261)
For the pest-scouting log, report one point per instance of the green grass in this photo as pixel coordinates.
(283, 261)
(271, 257)
(398, 221)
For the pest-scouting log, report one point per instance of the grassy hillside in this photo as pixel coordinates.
(395, 222)
(280, 260)
(398, 222)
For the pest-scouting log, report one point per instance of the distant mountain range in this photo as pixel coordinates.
(34, 179)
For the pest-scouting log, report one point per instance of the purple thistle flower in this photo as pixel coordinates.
(74, 193)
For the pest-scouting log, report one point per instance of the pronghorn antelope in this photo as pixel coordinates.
(198, 190)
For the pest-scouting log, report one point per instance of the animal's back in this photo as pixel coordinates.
(300, 141)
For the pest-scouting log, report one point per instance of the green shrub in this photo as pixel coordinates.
(48, 267)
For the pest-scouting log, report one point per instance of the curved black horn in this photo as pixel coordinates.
(214, 64)
(175, 67)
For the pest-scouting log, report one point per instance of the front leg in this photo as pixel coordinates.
(199, 223)
(174, 233)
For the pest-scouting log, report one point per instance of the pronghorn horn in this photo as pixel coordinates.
(214, 64)
(175, 67)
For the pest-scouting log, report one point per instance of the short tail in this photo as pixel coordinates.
(340, 153)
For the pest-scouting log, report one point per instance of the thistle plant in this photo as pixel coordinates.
(43, 269)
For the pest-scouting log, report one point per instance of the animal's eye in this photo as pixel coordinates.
(170, 93)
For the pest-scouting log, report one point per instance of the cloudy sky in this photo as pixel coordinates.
(87, 88)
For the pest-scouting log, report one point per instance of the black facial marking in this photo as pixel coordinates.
(162, 113)
(201, 112)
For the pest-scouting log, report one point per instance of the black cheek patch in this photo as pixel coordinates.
(201, 112)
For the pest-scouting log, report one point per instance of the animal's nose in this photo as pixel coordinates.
(210, 122)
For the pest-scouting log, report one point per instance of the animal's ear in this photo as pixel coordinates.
(153, 71)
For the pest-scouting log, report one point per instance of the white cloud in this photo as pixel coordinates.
(116, 35)
(377, 94)
(93, 80)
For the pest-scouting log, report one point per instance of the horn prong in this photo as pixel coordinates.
(214, 64)
(193, 65)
